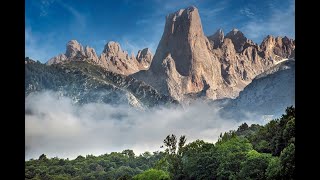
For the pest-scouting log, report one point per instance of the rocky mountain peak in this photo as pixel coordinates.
(91, 54)
(112, 47)
(73, 49)
(182, 63)
(217, 38)
(277, 48)
(189, 64)
(75, 52)
(238, 39)
(235, 31)
(184, 21)
(142, 53)
(181, 28)
(113, 58)
(268, 40)
(144, 57)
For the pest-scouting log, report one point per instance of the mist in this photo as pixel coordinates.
(57, 127)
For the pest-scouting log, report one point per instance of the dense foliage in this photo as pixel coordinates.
(250, 152)
(108, 166)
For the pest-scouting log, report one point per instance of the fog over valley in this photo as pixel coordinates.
(56, 126)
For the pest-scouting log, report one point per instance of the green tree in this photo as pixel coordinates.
(243, 127)
(274, 168)
(289, 131)
(153, 174)
(230, 154)
(263, 146)
(174, 155)
(287, 161)
(199, 160)
(129, 153)
(30, 172)
(162, 164)
(43, 157)
(255, 165)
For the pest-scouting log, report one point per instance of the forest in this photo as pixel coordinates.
(250, 152)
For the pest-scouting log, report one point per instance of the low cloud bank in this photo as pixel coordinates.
(57, 127)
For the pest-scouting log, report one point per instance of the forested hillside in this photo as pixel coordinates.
(250, 152)
(85, 83)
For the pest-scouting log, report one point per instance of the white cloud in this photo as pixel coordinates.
(56, 127)
(209, 13)
(247, 12)
(44, 6)
(280, 23)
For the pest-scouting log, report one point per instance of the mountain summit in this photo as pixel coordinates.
(189, 64)
(183, 63)
(113, 58)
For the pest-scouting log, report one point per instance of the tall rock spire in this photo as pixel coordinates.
(183, 59)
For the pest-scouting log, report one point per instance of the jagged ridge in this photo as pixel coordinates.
(113, 58)
(187, 62)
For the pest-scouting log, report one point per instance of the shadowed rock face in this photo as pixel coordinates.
(86, 83)
(144, 58)
(239, 41)
(269, 93)
(113, 58)
(187, 62)
(217, 38)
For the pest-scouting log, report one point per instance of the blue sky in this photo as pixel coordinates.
(136, 24)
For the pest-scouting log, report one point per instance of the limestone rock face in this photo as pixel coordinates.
(74, 52)
(61, 58)
(238, 69)
(91, 54)
(116, 60)
(113, 58)
(189, 64)
(239, 40)
(276, 48)
(269, 93)
(144, 58)
(183, 63)
(217, 38)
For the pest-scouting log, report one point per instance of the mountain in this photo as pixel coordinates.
(113, 58)
(267, 95)
(189, 64)
(75, 52)
(85, 82)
